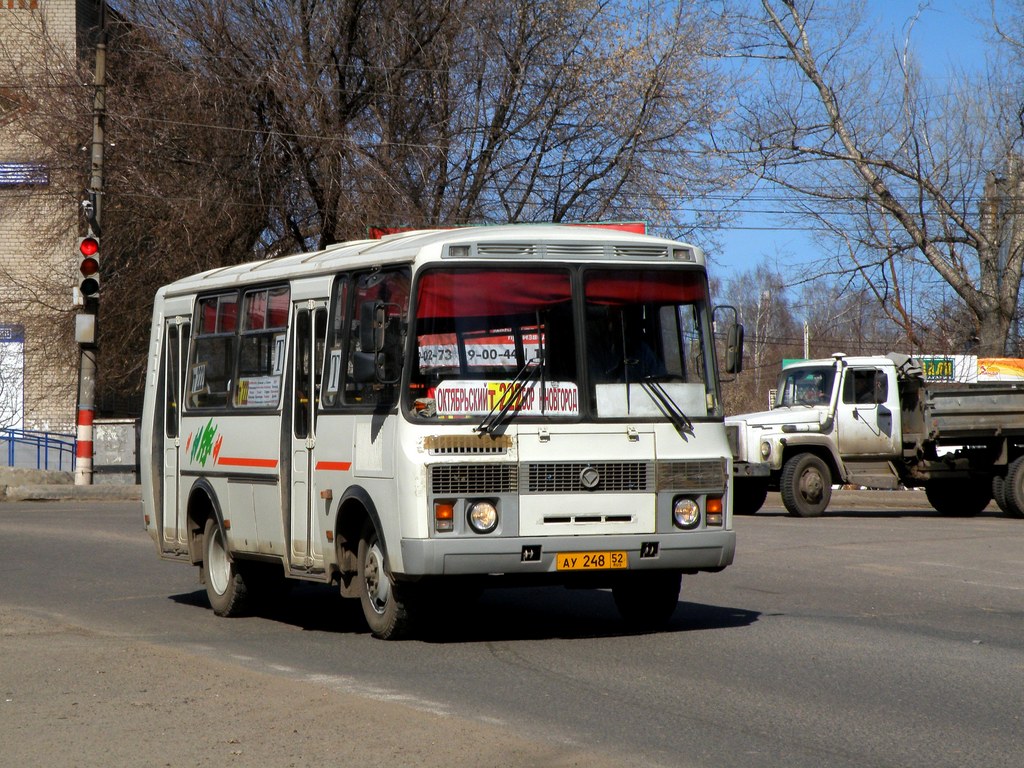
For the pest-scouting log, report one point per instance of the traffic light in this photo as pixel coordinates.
(89, 250)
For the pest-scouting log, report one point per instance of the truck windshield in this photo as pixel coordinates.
(805, 387)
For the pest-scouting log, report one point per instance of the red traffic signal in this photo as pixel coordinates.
(89, 249)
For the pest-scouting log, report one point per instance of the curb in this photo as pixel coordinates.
(65, 492)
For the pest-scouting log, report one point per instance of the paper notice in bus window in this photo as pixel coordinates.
(256, 391)
(478, 398)
(198, 377)
(438, 352)
(334, 371)
(279, 349)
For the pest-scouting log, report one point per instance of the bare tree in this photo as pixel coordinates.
(444, 112)
(247, 128)
(918, 186)
(772, 335)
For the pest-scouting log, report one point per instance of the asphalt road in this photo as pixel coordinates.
(877, 635)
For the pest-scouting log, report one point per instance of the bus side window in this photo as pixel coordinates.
(261, 357)
(392, 289)
(335, 353)
(213, 351)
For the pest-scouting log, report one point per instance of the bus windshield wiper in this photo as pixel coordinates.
(668, 406)
(510, 401)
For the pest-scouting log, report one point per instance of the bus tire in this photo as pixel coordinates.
(806, 485)
(647, 599)
(1013, 489)
(386, 613)
(748, 496)
(225, 587)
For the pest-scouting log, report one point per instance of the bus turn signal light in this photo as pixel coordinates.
(444, 517)
(713, 512)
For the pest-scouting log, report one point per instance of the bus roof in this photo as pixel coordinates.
(513, 242)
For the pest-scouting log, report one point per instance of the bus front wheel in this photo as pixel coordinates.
(225, 587)
(386, 613)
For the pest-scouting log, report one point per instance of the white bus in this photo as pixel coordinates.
(421, 415)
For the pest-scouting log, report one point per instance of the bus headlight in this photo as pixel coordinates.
(685, 513)
(482, 516)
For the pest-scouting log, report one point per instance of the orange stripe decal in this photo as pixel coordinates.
(241, 461)
(337, 466)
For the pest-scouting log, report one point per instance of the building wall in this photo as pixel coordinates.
(41, 41)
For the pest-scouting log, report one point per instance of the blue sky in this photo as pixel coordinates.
(947, 34)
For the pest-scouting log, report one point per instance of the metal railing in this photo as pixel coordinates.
(27, 449)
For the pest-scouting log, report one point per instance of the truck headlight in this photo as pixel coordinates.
(766, 450)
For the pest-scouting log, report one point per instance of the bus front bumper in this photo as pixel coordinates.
(689, 551)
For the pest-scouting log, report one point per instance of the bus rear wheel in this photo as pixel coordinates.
(647, 599)
(225, 586)
(387, 614)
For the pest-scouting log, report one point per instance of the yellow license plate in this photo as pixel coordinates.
(590, 561)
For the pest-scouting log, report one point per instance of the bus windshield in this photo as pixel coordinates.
(477, 329)
(638, 346)
(648, 343)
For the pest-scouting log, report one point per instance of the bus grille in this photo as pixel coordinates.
(614, 477)
(473, 479)
(708, 474)
(568, 477)
(466, 445)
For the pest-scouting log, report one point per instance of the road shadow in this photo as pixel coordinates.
(499, 614)
(881, 514)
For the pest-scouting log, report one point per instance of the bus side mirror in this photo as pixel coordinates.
(733, 338)
(380, 344)
(372, 319)
(734, 349)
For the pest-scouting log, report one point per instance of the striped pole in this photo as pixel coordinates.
(86, 412)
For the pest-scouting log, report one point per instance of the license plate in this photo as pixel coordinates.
(590, 561)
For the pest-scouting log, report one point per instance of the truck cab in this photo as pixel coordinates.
(833, 421)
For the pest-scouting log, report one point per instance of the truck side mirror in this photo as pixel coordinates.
(881, 388)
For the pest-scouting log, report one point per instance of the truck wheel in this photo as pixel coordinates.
(999, 494)
(225, 586)
(647, 599)
(386, 613)
(959, 498)
(806, 485)
(748, 496)
(1013, 489)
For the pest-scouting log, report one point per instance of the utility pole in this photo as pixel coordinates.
(94, 211)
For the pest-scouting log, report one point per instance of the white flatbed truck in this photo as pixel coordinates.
(873, 422)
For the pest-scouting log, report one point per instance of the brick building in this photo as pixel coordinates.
(45, 47)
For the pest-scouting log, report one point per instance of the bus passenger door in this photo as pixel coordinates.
(305, 548)
(175, 531)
